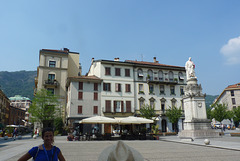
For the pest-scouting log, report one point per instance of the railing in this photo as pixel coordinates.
(51, 83)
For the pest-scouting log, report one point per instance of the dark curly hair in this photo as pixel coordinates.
(47, 129)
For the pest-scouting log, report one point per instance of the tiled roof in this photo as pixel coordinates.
(234, 86)
(51, 50)
(151, 63)
(86, 77)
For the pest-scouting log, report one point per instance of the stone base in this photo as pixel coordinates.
(198, 134)
(197, 124)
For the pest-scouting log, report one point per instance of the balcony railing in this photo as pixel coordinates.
(162, 81)
(51, 83)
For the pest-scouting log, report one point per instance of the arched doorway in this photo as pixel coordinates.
(164, 125)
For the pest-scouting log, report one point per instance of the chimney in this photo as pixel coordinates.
(155, 60)
(116, 59)
(92, 60)
(66, 49)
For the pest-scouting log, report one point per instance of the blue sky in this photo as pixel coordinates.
(173, 30)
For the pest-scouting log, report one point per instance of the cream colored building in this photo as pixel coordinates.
(230, 96)
(128, 85)
(55, 66)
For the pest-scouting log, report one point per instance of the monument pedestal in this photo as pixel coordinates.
(196, 124)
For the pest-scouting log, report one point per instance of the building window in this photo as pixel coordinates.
(160, 75)
(180, 76)
(95, 96)
(171, 76)
(95, 86)
(127, 72)
(163, 106)
(117, 72)
(80, 95)
(150, 75)
(79, 109)
(118, 106)
(140, 88)
(118, 87)
(172, 90)
(107, 86)
(173, 102)
(51, 90)
(162, 89)
(181, 90)
(128, 106)
(151, 88)
(127, 88)
(51, 77)
(232, 93)
(140, 73)
(107, 71)
(233, 101)
(80, 85)
(108, 105)
(95, 110)
(141, 103)
(152, 103)
(52, 64)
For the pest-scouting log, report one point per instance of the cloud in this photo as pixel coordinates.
(231, 51)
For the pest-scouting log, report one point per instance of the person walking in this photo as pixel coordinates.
(15, 132)
(46, 151)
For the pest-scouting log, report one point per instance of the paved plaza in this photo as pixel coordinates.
(168, 148)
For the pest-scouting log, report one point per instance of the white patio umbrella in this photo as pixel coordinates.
(134, 120)
(98, 120)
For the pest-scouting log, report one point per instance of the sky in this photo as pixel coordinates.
(172, 31)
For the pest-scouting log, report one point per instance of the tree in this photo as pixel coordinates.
(44, 108)
(236, 116)
(220, 112)
(173, 114)
(209, 113)
(147, 112)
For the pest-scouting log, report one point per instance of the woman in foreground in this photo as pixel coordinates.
(46, 151)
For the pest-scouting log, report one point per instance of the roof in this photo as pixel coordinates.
(19, 97)
(233, 86)
(151, 63)
(82, 78)
(64, 51)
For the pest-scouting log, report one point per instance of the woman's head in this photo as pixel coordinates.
(47, 135)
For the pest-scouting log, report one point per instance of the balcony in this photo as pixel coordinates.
(156, 80)
(51, 83)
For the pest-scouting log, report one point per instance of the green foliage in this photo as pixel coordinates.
(236, 115)
(18, 83)
(220, 112)
(174, 114)
(58, 124)
(147, 112)
(155, 129)
(209, 99)
(209, 113)
(44, 107)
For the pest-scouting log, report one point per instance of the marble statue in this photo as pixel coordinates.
(190, 69)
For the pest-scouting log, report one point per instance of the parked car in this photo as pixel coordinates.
(217, 126)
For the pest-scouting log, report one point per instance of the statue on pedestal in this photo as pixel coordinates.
(190, 69)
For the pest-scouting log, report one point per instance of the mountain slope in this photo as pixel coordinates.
(18, 83)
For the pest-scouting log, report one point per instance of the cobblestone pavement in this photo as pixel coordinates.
(168, 148)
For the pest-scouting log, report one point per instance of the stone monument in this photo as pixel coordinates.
(196, 124)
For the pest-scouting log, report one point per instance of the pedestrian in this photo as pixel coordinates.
(3, 134)
(46, 151)
(15, 132)
(37, 132)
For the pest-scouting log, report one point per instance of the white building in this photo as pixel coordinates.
(230, 96)
(23, 103)
(83, 99)
(128, 85)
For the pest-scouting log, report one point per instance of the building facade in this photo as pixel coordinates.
(129, 85)
(83, 100)
(230, 96)
(21, 103)
(55, 66)
(16, 116)
(4, 109)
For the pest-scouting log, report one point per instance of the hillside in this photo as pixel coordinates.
(18, 83)
(209, 99)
